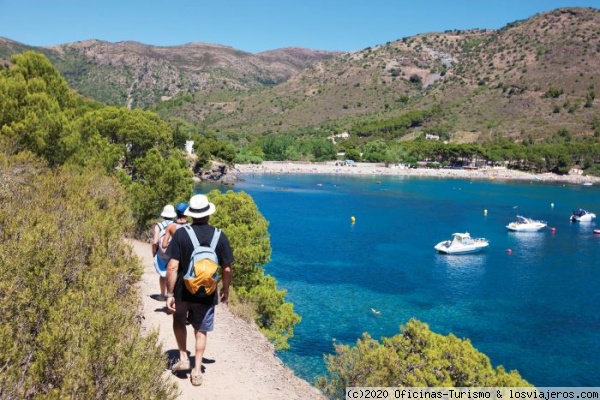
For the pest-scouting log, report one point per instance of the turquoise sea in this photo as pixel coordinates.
(535, 308)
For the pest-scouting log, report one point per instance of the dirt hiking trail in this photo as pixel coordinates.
(239, 362)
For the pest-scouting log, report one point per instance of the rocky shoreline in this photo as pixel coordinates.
(218, 172)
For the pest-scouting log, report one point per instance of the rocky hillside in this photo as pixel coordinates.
(526, 81)
(138, 75)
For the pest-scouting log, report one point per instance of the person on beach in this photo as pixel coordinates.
(158, 251)
(180, 222)
(199, 311)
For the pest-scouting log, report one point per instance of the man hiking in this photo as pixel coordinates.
(197, 309)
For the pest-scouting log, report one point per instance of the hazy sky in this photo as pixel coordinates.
(258, 25)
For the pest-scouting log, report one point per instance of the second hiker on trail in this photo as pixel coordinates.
(199, 307)
(179, 222)
(158, 251)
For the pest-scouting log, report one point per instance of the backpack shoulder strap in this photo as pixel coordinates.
(215, 239)
(163, 225)
(192, 235)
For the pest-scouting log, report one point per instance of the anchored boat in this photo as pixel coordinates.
(582, 215)
(462, 243)
(524, 224)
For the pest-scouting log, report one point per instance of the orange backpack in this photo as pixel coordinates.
(202, 276)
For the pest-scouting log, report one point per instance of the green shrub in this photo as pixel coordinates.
(246, 229)
(553, 93)
(68, 302)
(593, 170)
(416, 357)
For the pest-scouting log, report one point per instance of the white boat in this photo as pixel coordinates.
(582, 215)
(462, 243)
(523, 224)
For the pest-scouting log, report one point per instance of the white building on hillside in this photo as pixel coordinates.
(189, 147)
(343, 135)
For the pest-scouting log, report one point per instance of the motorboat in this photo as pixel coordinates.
(524, 224)
(582, 215)
(462, 243)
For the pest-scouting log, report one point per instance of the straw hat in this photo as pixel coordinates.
(200, 207)
(168, 212)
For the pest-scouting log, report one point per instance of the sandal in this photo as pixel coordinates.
(181, 365)
(196, 379)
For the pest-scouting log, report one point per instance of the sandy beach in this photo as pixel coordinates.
(374, 169)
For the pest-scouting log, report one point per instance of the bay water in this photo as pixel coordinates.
(530, 302)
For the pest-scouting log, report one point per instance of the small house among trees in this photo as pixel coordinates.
(189, 147)
(343, 135)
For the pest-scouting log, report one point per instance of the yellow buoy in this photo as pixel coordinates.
(352, 219)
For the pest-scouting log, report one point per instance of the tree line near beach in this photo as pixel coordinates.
(559, 154)
(77, 177)
(378, 143)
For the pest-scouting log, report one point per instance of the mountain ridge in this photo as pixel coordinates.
(525, 81)
(522, 82)
(137, 75)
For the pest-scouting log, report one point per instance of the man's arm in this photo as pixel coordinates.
(226, 275)
(172, 268)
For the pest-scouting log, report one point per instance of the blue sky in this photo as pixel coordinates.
(258, 25)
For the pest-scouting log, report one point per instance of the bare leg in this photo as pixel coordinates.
(162, 282)
(180, 331)
(200, 346)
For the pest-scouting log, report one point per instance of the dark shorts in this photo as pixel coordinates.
(200, 316)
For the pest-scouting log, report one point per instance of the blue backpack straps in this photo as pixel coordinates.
(194, 238)
(192, 235)
(163, 225)
(215, 239)
(162, 230)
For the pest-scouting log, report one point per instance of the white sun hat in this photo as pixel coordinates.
(200, 207)
(168, 212)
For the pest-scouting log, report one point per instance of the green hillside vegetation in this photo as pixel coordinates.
(137, 75)
(485, 81)
(69, 322)
(523, 96)
(77, 177)
(42, 115)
